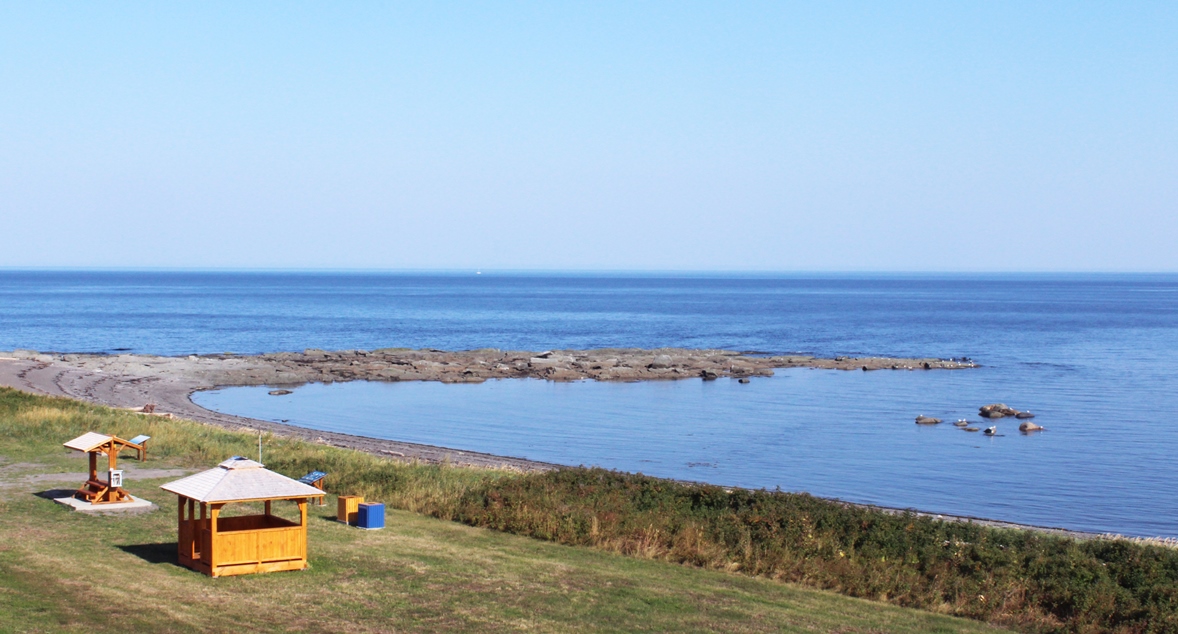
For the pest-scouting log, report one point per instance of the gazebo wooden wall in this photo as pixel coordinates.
(223, 546)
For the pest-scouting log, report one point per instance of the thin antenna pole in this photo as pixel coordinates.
(259, 447)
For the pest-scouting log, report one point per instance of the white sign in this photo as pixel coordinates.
(116, 478)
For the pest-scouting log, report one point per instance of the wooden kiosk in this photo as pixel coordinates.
(222, 546)
(110, 491)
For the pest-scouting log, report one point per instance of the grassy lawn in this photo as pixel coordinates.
(65, 571)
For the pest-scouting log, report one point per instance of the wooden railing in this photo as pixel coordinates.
(252, 539)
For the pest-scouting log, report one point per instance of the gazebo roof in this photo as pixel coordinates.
(237, 480)
(88, 441)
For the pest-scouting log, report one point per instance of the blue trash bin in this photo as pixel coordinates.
(370, 516)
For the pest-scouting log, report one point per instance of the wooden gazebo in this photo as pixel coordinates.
(222, 546)
(109, 491)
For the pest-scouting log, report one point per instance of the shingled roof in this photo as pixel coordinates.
(237, 480)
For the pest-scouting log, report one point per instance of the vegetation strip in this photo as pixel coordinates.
(1013, 578)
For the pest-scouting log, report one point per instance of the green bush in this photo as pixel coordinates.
(1012, 577)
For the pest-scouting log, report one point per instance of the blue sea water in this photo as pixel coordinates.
(1096, 357)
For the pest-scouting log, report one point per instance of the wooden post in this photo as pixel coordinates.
(93, 465)
(215, 511)
(267, 507)
(198, 526)
(303, 522)
(180, 545)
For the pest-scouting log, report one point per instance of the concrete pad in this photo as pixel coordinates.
(137, 506)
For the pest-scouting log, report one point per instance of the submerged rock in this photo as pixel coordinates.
(927, 420)
(1029, 426)
(1024, 415)
(279, 392)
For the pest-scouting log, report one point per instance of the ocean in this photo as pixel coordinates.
(1094, 356)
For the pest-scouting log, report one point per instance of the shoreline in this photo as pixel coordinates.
(132, 381)
(129, 381)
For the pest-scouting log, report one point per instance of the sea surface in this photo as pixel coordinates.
(1094, 356)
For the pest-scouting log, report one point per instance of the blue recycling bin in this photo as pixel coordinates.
(370, 516)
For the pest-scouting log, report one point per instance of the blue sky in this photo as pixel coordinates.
(633, 135)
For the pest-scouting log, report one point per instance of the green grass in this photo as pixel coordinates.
(743, 556)
(62, 571)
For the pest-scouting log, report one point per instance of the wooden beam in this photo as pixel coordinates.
(212, 546)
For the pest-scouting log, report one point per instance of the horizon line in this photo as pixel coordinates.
(577, 271)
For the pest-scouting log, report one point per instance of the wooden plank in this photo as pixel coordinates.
(213, 545)
(246, 569)
(237, 547)
(281, 544)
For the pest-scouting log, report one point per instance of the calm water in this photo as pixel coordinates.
(1096, 357)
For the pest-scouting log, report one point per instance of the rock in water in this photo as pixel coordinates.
(1029, 426)
(997, 410)
(279, 392)
(742, 380)
(927, 420)
(1024, 415)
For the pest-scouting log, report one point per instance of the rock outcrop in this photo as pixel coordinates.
(997, 410)
(471, 366)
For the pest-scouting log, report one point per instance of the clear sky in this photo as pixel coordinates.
(776, 136)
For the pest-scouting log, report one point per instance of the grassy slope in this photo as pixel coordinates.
(63, 571)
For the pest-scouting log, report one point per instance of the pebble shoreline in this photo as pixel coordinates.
(132, 381)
